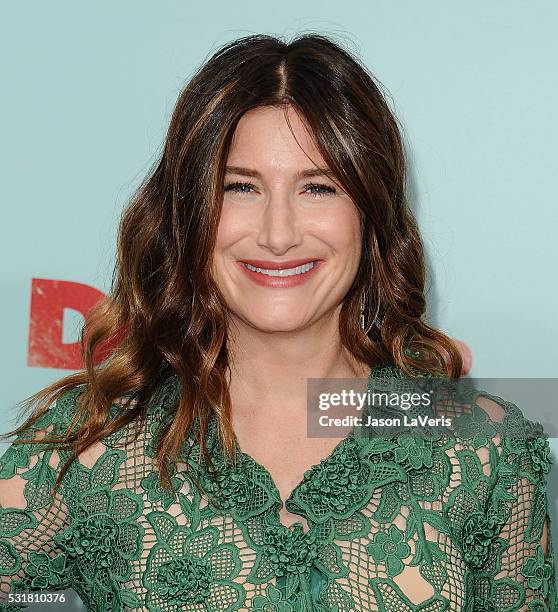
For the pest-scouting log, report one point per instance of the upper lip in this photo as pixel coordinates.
(277, 265)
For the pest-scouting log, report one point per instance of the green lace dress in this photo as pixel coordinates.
(462, 517)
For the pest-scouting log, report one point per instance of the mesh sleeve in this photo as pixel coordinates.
(30, 515)
(518, 573)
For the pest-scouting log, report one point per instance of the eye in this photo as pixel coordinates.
(318, 194)
(243, 188)
(238, 187)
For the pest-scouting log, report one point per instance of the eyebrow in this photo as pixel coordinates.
(309, 172)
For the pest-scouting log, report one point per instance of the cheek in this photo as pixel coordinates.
(229, 231)
(232, 228)
(223, 230)
(341, 229)
(233, 225)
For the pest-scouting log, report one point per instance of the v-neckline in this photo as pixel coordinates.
(245, 488)
(282, 503)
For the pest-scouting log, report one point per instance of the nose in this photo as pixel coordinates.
(279, 225)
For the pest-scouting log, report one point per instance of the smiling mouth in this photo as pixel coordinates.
(283, 272)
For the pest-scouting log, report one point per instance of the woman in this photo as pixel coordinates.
(271, 244)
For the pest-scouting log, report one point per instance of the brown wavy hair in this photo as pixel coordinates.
(164, 313)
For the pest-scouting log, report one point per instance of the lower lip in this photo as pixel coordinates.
(281, 281)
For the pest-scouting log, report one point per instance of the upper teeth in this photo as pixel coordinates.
(285, 271)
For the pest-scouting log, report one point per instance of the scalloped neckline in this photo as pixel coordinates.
(282, 503)
(172, 388)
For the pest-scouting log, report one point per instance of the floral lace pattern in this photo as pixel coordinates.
(452, 522)
(188, 566)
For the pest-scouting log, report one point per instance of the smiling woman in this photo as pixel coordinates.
(271, 244)
(280, 231)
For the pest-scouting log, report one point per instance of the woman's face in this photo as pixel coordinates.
(276, 216)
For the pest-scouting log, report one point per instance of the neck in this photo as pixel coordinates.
(270, 369)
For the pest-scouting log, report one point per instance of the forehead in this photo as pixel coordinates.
(263, 139)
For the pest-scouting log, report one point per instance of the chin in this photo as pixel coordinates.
(276, 325)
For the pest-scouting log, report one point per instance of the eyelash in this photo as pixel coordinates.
(231, 186)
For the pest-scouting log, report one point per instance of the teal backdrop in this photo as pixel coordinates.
(88, 88)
